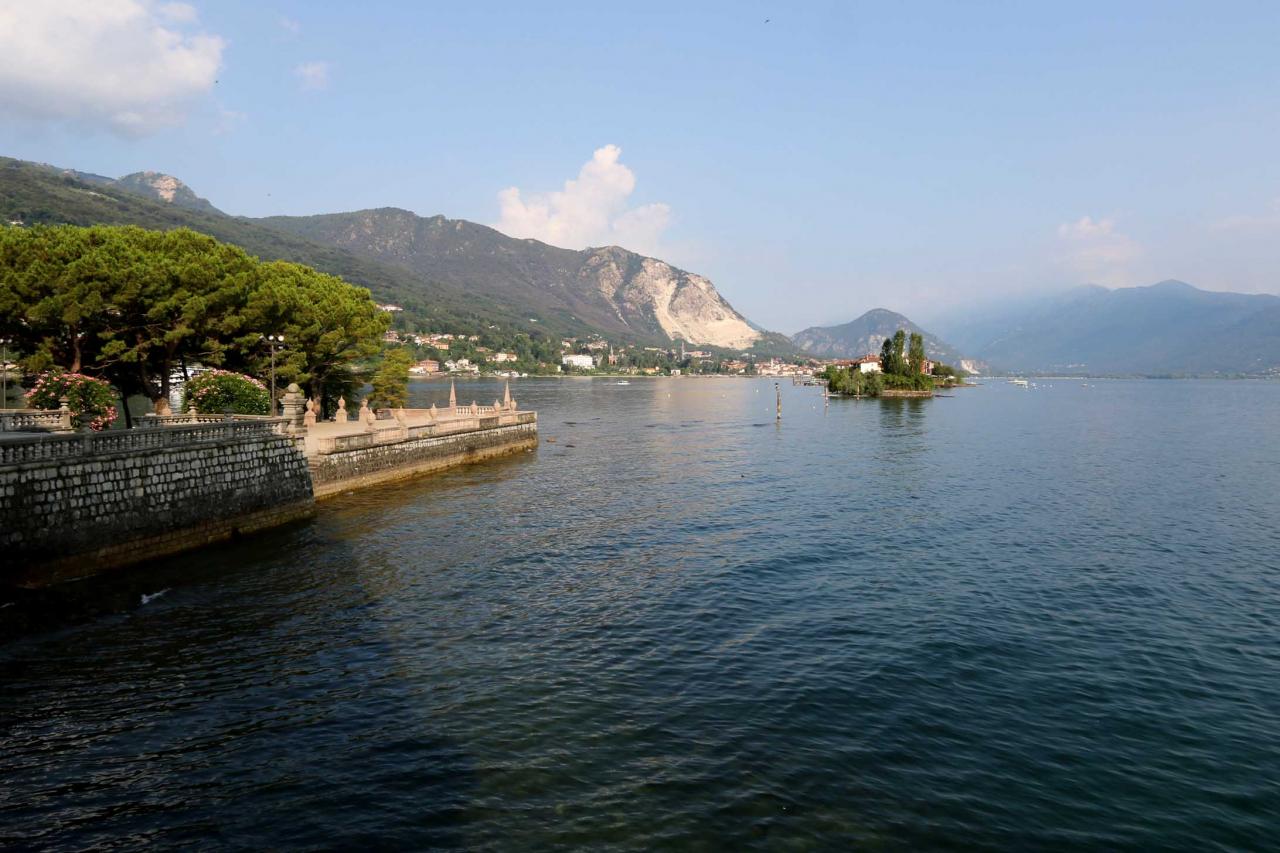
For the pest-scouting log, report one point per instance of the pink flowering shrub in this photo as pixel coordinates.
(216, 391)
(90, 400)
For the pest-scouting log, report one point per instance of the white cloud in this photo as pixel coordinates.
(123, 64)
(1097, 251)
(178, 13)
(313, 75)
(591, 210)
(289, 25)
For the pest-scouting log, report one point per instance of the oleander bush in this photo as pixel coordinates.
(215, 392)
(91, 401)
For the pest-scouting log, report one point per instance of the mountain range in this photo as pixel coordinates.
(1169, 328)
(451, 274)
(611, 289)
(443, 272)
(865, 335)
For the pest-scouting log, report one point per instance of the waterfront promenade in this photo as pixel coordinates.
(76, 503)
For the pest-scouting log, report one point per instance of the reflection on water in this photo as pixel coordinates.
(1020, 619)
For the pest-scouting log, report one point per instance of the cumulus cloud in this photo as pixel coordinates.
(289, 25)
(1095, 250)
(312, 75)
(591, 209)
(128, 65)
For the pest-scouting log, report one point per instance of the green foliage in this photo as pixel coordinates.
(853, 382)
(133, 305)
(916, 354)
(893, 358)
(90, 400)
(391, 380)
(214, 392)
(944, 370)
(901, 366)
(326, 323)
(908, 382)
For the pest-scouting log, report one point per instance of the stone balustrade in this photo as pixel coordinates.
(393, 431)
(193, 417)
(35, 447)
(35, 420)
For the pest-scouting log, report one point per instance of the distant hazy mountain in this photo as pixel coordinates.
(448, 271)
(1170, 328)
(865, 335)
(611, 289)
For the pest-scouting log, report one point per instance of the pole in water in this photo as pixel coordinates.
(778, 391)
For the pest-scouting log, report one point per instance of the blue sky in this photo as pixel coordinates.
(840, 157)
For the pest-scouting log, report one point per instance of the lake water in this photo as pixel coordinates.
(1006, 619)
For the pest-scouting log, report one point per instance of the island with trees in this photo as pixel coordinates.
(902, 369)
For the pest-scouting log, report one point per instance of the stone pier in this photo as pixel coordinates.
(74, 504)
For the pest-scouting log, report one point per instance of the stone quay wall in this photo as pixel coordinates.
(344, 470)
(75, 505)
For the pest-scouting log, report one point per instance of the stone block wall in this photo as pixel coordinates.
(351, 469)
(62, 518)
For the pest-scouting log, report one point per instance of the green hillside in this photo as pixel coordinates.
(34, 194)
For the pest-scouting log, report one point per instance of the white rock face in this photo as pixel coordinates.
(164, 185)
(684, 305)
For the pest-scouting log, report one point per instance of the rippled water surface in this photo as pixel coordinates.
(1006, 618)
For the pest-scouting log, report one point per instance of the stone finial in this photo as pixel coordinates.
(309, 419)
(506, 396)
(453, 396)
(475, 410)
(64, 412)
(341, 415)
(291, 406)
(366, 415)
(431, 412)
(497, 405)
(191, 411)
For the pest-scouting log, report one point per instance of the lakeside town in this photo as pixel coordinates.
(443, 354)
(440, 354)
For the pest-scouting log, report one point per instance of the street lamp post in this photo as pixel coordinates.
(4, 371)
(273, 341)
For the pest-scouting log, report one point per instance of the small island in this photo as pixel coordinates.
(902, 369)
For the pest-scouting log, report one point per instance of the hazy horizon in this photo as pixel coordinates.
(813, 163)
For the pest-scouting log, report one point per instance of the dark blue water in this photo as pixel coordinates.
(1005, 619)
